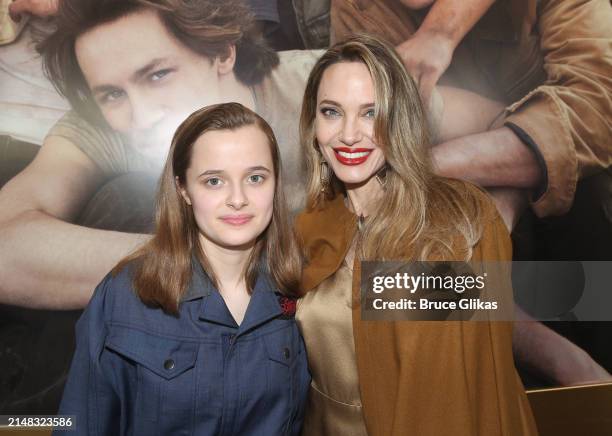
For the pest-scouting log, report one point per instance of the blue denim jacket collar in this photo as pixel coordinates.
(263, 305)
(200, 285)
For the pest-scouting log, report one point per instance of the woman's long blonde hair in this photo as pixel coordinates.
(420, 214)
(163, 266)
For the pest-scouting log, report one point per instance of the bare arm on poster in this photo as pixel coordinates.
(467, 150)
(550, 355)
(497, 160)
(428, 53)
(45, 261)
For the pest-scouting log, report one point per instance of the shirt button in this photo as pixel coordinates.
(169, 364)
(232, 339)
(286, 353)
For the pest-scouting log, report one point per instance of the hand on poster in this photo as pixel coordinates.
(426, 56)
(40, 8)
(428, 53)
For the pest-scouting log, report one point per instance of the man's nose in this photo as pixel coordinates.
(145, 113)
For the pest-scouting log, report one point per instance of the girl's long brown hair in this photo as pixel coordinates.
(419, 212)
(162, 268)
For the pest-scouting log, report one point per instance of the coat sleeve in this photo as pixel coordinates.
(90, 393)
(569, 116)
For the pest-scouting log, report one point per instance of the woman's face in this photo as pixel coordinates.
(344, 123)
(230, 186)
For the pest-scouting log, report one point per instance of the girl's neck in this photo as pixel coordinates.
(228, 264)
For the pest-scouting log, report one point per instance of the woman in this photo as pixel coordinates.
(195, 332)
(372, 195)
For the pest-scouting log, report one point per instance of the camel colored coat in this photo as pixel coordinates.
(425, 378)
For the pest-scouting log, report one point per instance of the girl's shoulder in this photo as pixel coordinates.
(115, 296)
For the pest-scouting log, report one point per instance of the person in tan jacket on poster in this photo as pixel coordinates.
(549, 61)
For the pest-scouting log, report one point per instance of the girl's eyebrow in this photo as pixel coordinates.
(211, 173)
(259, 168)
(249, 170)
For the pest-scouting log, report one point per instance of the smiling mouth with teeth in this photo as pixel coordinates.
(348, 156)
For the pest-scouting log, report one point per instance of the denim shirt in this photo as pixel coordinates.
(139, 371)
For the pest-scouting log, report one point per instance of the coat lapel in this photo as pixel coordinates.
(326, 234)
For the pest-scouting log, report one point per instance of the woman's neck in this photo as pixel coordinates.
(362, 198)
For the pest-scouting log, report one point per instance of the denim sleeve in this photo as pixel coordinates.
(90, 392)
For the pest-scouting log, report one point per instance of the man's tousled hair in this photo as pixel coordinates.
(207, 27)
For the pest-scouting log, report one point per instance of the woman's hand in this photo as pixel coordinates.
(40, 8)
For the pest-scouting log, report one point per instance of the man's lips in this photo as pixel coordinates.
(236, 220)
(352, 156)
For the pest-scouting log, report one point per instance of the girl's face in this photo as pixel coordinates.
(230, 186)
(344, 123)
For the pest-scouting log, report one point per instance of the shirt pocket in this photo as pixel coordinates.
(288, 377)
(166, 377)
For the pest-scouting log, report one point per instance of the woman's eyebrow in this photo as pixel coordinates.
(335, 103)
(332, 102)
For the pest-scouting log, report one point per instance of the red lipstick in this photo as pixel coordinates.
(352, 156)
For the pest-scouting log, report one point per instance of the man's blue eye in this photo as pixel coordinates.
(370, 113)
(112, 96)
(160, 74)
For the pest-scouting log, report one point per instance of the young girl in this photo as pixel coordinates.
(195, 332)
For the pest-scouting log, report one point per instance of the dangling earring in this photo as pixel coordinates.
(325, 176)
(381, 176)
